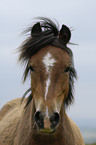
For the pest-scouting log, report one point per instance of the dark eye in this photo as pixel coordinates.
(31, 68)
(67, 69)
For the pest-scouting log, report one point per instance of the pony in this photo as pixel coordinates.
(41, 117)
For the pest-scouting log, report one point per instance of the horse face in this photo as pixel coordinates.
(50, 86)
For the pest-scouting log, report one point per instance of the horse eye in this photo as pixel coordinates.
(31, 68)
(67, 69)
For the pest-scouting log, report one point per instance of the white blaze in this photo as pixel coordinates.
(48, 81)
(48, 61)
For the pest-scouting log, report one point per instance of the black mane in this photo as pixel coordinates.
(46, 33)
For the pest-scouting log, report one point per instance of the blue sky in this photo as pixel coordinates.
(80, 15)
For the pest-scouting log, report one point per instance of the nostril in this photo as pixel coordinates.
(37, 116)
(54, 119)
(39, 119)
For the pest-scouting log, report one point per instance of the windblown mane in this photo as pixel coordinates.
(47, 34)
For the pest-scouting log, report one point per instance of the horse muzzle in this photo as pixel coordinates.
(47, 124)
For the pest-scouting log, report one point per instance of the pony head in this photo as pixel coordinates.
(50, 64)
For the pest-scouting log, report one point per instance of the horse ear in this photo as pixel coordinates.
(36, 28)
(65, 34)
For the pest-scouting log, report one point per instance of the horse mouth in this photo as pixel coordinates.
(47, 130)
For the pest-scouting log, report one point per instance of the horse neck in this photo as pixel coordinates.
(25, 126)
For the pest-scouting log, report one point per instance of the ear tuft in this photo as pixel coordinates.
(36, 28)
(65, 34)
